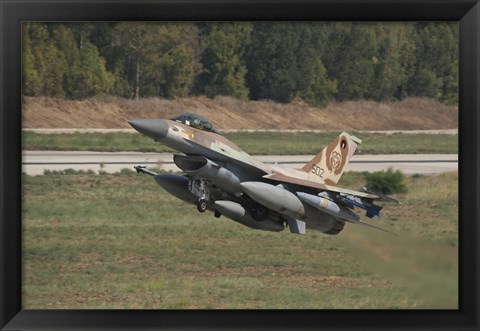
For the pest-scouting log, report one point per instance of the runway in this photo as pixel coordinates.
(35, 162)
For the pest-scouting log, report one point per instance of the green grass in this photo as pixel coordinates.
(102, 142)
(120, 241)
(251, 142)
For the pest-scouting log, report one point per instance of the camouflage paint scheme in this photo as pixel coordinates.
(322, 172)
(227, 180)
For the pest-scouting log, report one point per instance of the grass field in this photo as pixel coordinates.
(120, 241)
(280, 143)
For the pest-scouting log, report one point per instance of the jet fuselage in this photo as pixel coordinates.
(223, 178)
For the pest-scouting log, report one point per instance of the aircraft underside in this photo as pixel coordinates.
(241, 207)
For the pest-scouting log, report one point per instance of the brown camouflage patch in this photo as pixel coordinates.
(335, 160)
(204, 138)
(329, 182)
(296, 181)
(316, 160)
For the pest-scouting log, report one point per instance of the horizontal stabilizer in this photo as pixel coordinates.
(297, 226)
(360, 222)
(382, 197)
(373, 211)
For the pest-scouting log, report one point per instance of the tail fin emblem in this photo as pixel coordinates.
(330, 163)
(335, 160)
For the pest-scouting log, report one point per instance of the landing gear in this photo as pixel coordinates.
(217, 214)
(200, 188)
(259, 213)
(202, 205)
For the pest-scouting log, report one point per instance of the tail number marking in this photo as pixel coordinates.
(317, 170)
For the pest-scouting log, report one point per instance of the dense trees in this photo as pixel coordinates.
(223, 59)
(315, 61)
(436, 68)
(154, 59)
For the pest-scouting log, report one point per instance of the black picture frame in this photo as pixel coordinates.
(466, 12)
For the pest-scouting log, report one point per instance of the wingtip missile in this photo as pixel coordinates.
(144, 170)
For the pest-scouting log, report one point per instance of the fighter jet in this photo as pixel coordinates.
(220, 177)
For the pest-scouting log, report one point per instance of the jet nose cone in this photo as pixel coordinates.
(154, 128)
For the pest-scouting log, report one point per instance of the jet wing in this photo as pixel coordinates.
(363, 200)
(240, 158)
(317, 185)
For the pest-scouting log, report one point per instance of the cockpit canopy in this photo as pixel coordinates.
(194, 121)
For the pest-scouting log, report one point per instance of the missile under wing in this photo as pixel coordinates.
(220, 177)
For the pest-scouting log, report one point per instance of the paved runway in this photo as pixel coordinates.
(35, 162)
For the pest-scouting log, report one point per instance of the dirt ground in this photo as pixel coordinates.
(230, 113)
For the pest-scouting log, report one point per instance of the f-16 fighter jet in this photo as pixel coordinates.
(222, 178)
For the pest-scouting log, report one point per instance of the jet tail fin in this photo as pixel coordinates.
(330, 163)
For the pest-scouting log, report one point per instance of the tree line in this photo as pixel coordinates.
(315, 61)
